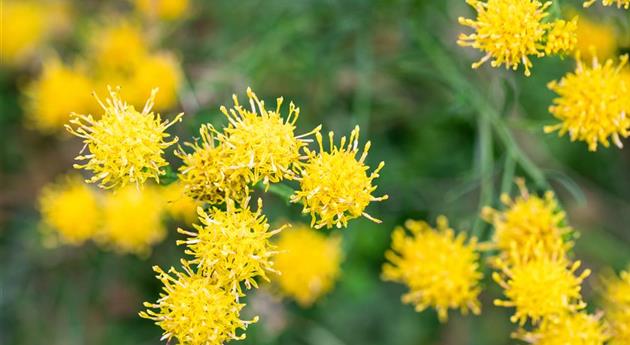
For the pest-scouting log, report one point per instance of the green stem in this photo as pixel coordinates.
(486, 167)
(509, 166)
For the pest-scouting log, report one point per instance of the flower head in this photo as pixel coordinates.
(60, 205)
(207, 173)
(439, 267)
(232, 246)
(596, 38)
(57, 92)
(562, 36)
(160, 70)
(308, 264)
(179, 205)
(528, 222)
(132, 220)
(24, 27)
(261, 140)
(118, 47)
(620, 3)
(593, 105)
(163, 9)
(335, 186)
(617, 295)
(570, 328)
(510, 31)
(125, 145)
(195, 310)
(540, 286)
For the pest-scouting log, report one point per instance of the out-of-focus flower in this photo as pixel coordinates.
(206, 172)
(540, 286)
(70, 212)
(262, 141)
(596, 39)
(125, 146)
(528, 222)
(335, 186)
(593, 103)
(195, 310)
(617, 297)
(23, 30)
(160, 70)
(308, 264)
(163, 9)
(118, 47)
(620, 3)
(179, 205)
(510, 31)
(132, 220)
(57, 92)
(232, 246)
(570, 328)
(439, 267)
(562, 36)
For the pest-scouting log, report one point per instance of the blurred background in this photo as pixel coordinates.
(452, 138)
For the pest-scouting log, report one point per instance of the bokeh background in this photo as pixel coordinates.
(446, 133)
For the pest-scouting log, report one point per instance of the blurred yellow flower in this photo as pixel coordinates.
(125, 146)
(179, 205)
(308, 264)
(439, 267)
(620, 3)
(57, 92)
(594, 37)
(570, 328)
(593, 103)
(262, 141)
(617, 296)
(528, 222)
(232, 246)
(335, 186)
(540, 286)
(510, 31)
(118, 47)
(206, 172)
(195, 310)
(23, 31)
(161, 71)
(70, 211)
(163, 9)
(132, 220)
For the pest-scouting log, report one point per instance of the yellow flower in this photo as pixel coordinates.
(335, 186)
(594, 38)
(562, 37)
(132, 220)
(439, 267)
(160, 71)
(571, 328)
(163, 9)
(57, 92)
(232, 246)
(61, 204)
(528, 222)
(620, 3)
(195, 310)
(262, 141)
(23, 30)
(510, 31)
(308, 264)
(540, 286)
(118, 47)
(206, 172)
(617, 295)
(179, 205)
(593, 105)
(125, 145)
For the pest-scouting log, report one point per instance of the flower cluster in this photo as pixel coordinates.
(593, 103)
(509, 32)
(125, 145)
(539, 280)
(617, 295)
(308, 264)
(127, 221)
(440, 269)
